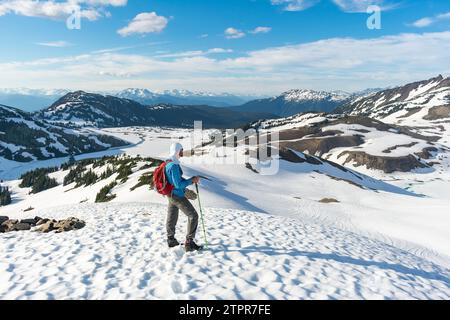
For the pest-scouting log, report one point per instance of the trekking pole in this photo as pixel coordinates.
(201, 216)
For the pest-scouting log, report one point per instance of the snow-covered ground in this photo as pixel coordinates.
(121, 254)
(271, 237)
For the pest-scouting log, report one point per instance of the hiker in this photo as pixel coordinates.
(178, 200)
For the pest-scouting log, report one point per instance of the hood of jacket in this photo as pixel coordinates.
(175, 148)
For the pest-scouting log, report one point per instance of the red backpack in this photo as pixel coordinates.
(160, 182)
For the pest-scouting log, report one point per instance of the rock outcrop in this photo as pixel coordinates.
(42, 225)
(386, 164)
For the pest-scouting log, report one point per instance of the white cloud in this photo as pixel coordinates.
(146, 22)
(57, 44)
(195, 53)
(116, 49)
(344, 5)
(114, 3)
(219, 50)
(295, 5)
(232, 33)
(261, 30)
(203, 36)
(362, 5)
(427, 21)
(337, 63)
(89, 9)
(424, 22)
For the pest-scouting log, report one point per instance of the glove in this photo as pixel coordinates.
(191, 195)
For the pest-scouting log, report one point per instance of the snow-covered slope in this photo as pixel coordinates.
(413, 104)
(25, 138)
(411, 157)
(301, 182)
(314, 230)
(121, 254)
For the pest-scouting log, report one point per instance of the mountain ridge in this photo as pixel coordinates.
(295, 101)
(402, 101)
(90, 109)
(26, 138)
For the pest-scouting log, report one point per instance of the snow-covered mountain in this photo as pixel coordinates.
(24, 138)
(89, 109)
(412, 103)
(30, 99)
(82, 108)
(365, 92)
(182, 97)
(411, 157)
(302, 95)
(296, 101)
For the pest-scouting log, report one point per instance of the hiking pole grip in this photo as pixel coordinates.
(201, 215)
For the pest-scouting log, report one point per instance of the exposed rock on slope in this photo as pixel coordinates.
(358, 141)
(386, 164)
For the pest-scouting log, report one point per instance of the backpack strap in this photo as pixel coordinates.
(164, 175)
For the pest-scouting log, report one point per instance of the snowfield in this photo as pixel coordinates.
(121, 254)
(270, 237)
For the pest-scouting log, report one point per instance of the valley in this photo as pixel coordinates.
(358, 207)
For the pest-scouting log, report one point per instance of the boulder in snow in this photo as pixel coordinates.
(31, 222)
(41, 221)
(47, 226)
(69, 224)
(8, 225)
(3, 219)
(22, 226)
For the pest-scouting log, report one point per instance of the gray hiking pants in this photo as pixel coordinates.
(175, 205)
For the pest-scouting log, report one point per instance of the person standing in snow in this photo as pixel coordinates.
(178, 200)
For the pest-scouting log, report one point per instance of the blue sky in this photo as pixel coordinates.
(239, 46)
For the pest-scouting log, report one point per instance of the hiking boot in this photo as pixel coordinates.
(172, 242)
(190, 245)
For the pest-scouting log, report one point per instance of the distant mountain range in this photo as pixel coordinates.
(89, 109)
(301, 100)
(296, 101)
(183, 97)
(288, 103)
(30, 99)
(37, 99)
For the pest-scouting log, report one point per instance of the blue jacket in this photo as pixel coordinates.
(174, 175)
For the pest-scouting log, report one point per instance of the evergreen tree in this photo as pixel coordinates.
(42, 183)
(71, 160)
(5, 196)
(103, 195)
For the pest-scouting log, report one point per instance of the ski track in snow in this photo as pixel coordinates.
(122, 254)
